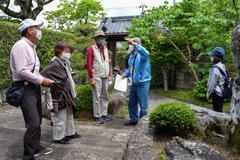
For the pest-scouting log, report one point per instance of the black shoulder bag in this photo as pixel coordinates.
(227, 92)
(14, 94)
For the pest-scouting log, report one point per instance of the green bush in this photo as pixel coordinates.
(201, 89)
(84, 95)
(177, 117)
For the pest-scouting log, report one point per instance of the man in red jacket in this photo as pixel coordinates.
(98, 65)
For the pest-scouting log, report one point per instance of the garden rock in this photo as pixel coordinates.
(209, 120)
(116, 104)
(181, 149)
(138, 145)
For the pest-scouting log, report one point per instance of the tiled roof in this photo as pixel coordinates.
(116, 25)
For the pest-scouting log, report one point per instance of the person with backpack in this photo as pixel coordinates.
(217, 77)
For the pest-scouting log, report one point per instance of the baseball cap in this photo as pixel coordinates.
(218, 51)
(29, 22)
(98, 33)
(136, 40)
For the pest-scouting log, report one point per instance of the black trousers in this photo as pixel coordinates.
(217, 102)
(32, 113)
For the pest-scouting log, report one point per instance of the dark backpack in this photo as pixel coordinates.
(227, 93)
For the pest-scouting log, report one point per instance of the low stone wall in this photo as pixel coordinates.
(184, 78)
(139, 141)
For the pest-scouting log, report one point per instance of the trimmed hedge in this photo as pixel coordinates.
(177, 117)
(9, 35)
(85, 98)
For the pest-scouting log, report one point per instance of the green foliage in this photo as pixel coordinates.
(177, 116)
(157, 76)
(84, 95)
(201, 89)
(84, 120)
(9, 35)
(70, 12)
(82, 41)
(121, 55)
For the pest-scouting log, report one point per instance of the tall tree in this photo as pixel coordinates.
(72, 11)
(26, 6)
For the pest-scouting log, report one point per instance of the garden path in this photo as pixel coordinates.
(99, 141)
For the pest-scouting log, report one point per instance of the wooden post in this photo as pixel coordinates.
(114, 54)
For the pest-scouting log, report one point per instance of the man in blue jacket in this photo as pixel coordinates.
(140, 72)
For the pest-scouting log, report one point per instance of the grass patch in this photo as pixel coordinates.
(84, 120)
(123, 113)
(189, 97)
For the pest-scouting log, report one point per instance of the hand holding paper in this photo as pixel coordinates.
(120, 84)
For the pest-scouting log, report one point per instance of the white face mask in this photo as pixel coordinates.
(130, 48)
(65, 56)
(39, 35)
(211, 59)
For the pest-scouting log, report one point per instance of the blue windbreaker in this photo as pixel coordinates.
(142, 67)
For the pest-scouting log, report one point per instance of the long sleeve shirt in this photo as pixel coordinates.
(215, 78)
(22, 60)
(141, 64)
(90, 58)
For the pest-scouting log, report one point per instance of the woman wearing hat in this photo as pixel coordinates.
(216, 79)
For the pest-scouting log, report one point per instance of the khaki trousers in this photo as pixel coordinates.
(63, 124)
(100, 97)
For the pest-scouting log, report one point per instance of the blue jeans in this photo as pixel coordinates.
(138, 94)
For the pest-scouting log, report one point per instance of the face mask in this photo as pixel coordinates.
(130, 48)
(65, 56)
(211, 59)
(39, 35)
(101, 42)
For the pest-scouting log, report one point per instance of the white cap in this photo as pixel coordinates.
(29, 22)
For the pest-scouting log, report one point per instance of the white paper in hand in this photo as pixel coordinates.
(120, 84)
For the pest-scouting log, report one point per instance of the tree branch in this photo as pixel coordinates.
(10, 12)
(188, 62)
(46, 2)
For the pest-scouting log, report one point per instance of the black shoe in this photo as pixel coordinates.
(63, 141)
(130, 123)
(74, 136)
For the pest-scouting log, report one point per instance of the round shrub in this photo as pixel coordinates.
(177, 117)
(85, 98)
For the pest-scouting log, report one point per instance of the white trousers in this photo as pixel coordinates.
(63, 124)
(100, 97)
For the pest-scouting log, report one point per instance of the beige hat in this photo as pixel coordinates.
(98, 33)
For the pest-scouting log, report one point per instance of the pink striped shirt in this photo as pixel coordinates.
(22, 59)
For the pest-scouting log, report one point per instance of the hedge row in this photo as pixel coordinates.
(9, 34)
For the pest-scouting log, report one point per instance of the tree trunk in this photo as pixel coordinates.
(233, 127)
(165, 78)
